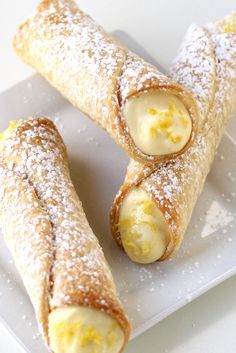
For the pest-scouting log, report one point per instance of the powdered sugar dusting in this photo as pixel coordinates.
(54, 248)
(194, 67)
(206, 65)
(89, 67)
(178, 184)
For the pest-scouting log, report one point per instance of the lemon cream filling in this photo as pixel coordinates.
(228, 24)
(143, 228)
(76, 329)
(158, 123)
(11, 127)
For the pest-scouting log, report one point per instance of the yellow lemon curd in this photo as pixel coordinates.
(228, 24)
(76, 329)
(158, 123)
(142, 226)
(11, 127)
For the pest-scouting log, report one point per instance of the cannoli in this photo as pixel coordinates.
(153, 207)
(58, 256)
(149, 115)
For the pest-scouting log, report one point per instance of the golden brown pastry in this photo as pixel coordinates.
(53, 247)
(153, 207)
(146, 113)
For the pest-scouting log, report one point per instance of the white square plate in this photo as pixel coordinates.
(149, 293)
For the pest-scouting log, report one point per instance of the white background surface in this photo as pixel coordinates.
(208, 324)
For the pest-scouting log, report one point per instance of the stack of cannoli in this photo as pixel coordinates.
(170, 127)
(154, 205)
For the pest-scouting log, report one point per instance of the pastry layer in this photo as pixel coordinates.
(206, 65)
(57, 254)
(106, 81)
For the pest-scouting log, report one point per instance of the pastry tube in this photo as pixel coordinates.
(149, 115)
(58, 256)
(153, 207)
